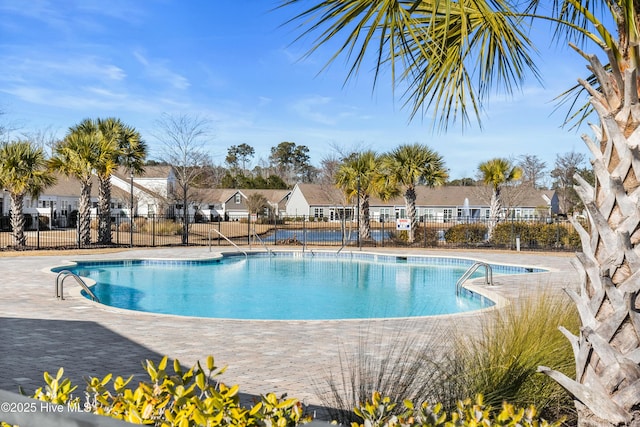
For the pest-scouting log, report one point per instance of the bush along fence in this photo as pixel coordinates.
(154, 231)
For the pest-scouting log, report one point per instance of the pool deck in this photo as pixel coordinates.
(40, 333)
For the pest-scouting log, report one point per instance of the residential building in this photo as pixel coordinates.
(440, 204)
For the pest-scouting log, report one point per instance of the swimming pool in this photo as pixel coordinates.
(288, 286)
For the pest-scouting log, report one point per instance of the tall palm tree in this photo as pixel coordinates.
(496, 173)
(441, 45)
(123, 146)
(77, 155)
(408, 166)
(120, 145)
(104, 164)
(358, 177)
(22, 171)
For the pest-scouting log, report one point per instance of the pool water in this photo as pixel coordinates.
(285, 287)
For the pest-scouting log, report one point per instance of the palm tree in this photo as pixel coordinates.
(408, 166)
(120, 145)
(104, 164)
(358, 177)
(496, 173)
(454, 54)
(22, 171)
(78, 155)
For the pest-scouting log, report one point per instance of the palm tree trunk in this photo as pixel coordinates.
(365, 223)
(495, 212)
(17, 221)
(607, 349)
(84, 214)
(104, 211)
(410, 202)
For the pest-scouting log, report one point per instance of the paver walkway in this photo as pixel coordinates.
(39, 333)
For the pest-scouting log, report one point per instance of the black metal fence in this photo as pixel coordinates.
(155, 231)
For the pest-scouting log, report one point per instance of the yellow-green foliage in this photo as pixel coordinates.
(501, 361)
(160, 228)
(534, 234)
(379, 412)
(466, 233)
(402, 237)
(181, 399)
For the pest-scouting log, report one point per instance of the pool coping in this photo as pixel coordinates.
(470, 285)
(261, 356)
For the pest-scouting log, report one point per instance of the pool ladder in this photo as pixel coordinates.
(488, 275)
(62, 276)
(225, 238)
(256, 237)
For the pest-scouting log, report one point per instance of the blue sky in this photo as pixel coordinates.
(233, 63)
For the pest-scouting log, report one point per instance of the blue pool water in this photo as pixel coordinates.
(288, 286)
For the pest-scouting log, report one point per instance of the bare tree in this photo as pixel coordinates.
(329, 166)
(185, 138)
(533, 170)
(566, 166)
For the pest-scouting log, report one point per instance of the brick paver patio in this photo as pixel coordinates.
(40, 333)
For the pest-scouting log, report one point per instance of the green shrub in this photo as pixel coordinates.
(501, 361)
(184, 399)
(380, 412)
(380, 363)
(159, 228)
(402, 237)
(535, 234)
(498, 358)
(572, 240)
(466, 233)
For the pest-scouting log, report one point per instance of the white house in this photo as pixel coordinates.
(441, 204)
(151, 190)
(231, 204)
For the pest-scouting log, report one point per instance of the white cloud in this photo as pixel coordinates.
(160, 72)
(60, 69)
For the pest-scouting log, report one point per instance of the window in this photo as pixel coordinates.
(318, 213)
(385, 214)
(237, 199)
(447, 214)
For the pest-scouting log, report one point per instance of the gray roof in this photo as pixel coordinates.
(320, 195)
(222, 195)
(69, 187)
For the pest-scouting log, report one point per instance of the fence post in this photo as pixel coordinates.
(219, 227)
(275, 230)
(37, 230)
(304, 233)
(78, 228)
(154, 218)
(249, 230)
(424, 229)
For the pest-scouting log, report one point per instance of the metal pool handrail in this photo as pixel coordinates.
(225, 238)
(488, 275)
(60, 285)
(262, 242)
